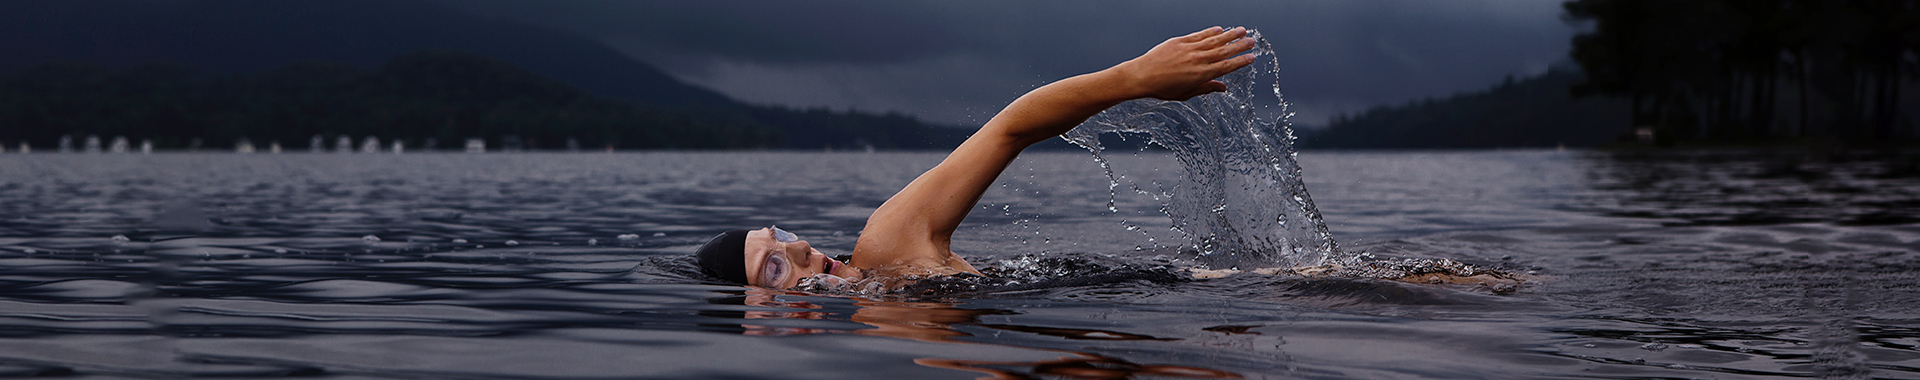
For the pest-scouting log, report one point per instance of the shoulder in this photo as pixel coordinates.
(890, 254)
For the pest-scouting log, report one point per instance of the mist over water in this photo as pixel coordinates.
(1241, 203)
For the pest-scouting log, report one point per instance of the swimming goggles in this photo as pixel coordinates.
(774, 270)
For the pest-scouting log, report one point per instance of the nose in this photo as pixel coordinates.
(804, 250)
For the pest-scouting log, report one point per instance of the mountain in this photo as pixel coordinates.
(426, 99)
(1537, 111)
(249, 36)
(245, 37)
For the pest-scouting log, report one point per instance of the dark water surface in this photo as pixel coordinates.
(1646, 265)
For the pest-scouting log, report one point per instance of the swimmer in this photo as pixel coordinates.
(911, 234)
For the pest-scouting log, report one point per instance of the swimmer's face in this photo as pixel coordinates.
(776, 259)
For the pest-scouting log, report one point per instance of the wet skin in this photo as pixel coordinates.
(911, 234)
(802, 261)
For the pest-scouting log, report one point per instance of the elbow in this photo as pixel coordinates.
(1016, 138)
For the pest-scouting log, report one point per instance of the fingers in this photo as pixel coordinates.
(1215, 86)
(1202, 34)
(1229, 65)
(1202, 89)
(1231, 49)
(1217, 40)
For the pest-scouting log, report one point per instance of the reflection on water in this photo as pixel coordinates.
(936, 321)
(1761, 187)
(176, 265)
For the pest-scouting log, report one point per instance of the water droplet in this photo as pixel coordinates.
(593, 242)
(120, 238)
(629, 236)
(370, 238)
(511, 243)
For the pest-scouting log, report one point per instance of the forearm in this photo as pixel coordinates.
(1057, 107)
(915, 226)
(1041, 114)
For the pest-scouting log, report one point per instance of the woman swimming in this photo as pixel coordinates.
(910, 234)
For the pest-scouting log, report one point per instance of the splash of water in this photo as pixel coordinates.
(1241, 202)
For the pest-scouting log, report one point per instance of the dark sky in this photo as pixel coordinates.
(960, 61)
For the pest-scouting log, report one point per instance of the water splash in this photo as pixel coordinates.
(1020, 273)
(1241, 202)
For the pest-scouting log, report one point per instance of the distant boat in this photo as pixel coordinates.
(476, 146)
(119, 145)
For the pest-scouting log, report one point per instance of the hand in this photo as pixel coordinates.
(1184, 67)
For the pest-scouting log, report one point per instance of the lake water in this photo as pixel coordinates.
(1695, 265)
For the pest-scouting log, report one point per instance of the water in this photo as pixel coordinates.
(1242, 201)
(1762, 265)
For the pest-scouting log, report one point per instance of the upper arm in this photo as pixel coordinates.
(918, 222)
(915, 226)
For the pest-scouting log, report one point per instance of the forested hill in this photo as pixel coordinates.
(440, 96)
(228, 36)
(280, 69)
(1697, 72)
(1756, 71)
(1536, 111)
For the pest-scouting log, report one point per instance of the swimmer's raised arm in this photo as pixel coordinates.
(914, 228)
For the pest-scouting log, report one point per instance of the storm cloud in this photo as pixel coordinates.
(959, 62)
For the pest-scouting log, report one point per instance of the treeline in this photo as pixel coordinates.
(1530, 112)
(1755, 70)
(429, 96)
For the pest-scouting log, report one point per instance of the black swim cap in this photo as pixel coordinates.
(724, 257)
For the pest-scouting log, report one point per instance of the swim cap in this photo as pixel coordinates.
(724, 257)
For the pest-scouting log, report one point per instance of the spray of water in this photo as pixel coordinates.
(1241, 202)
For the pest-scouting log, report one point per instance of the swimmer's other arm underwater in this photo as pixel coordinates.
(911, 234)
